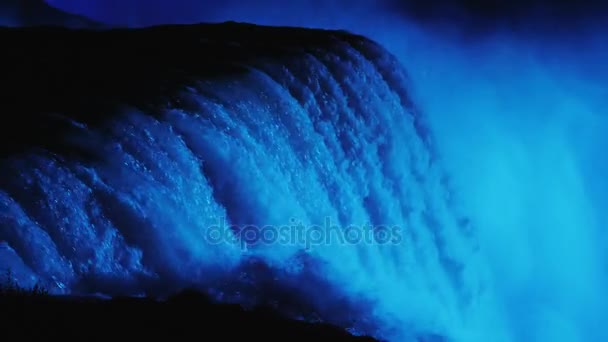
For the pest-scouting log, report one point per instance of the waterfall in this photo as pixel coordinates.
(283, 159)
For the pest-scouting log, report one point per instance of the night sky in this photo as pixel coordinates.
(561, 13)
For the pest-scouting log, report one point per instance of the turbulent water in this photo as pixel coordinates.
(312, 174)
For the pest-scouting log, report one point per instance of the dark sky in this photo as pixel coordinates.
(148, 12)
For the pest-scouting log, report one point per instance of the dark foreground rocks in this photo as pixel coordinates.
(186, 317)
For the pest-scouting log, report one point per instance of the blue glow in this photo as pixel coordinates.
(517, 121)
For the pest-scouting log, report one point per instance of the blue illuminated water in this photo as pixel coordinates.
(330, 135)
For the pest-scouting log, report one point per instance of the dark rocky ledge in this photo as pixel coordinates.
(187, 316)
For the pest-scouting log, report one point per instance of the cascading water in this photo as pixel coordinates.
(320, 135)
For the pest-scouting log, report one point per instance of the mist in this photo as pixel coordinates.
(519, 121)
(517, 111)
(519, 124)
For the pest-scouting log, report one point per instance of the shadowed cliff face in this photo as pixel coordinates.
(38, 12)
